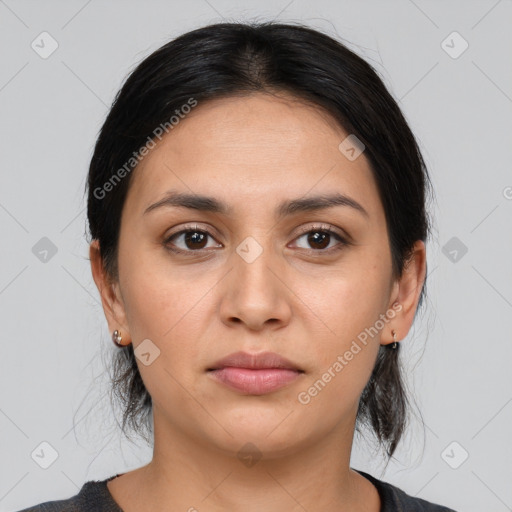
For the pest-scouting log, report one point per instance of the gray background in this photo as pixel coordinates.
(55, 343)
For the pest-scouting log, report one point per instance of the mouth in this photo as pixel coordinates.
(255, 374)
(261, 361)
(255, 381)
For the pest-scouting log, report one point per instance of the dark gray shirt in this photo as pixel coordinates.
(95, 496)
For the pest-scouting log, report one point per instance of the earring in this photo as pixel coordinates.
(117, 338)
(394, 345)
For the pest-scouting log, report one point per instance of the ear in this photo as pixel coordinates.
(408, 294)
(111, 298)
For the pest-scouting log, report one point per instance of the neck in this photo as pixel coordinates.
(188, 474)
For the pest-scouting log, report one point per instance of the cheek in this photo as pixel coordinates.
(344, 357)
(158, 296)
(345, 303)
(172, 309)
(343, 317)
(162, 309)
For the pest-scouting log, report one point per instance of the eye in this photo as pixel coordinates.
(319, 239)
(192, 239)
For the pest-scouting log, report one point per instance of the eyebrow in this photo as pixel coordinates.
(284, 209)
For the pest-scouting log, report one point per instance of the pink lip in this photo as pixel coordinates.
(255, 374)
(255, 382)
(254, 361)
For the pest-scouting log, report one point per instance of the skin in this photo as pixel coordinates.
(308, 306)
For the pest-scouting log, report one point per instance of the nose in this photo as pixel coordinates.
(255, 292)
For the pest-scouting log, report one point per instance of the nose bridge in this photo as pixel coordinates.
(252, 259)
(255, 293)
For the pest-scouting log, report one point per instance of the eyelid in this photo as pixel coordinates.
(344, 238)
(194, 226)
(320, 226)
(186, 228)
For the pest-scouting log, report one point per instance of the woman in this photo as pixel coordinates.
(256, 203)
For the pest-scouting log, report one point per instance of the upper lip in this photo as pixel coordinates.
(254, 361)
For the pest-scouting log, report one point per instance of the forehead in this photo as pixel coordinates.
(253, 148)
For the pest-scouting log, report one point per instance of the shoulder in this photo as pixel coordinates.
(94, 495)
(395, 500)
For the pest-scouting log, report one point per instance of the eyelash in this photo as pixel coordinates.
(322, 228)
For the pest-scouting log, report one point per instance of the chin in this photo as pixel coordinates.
(272, 437)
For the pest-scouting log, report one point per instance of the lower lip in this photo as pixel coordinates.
(255, 382)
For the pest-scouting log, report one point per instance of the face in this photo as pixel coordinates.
(199, 283)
